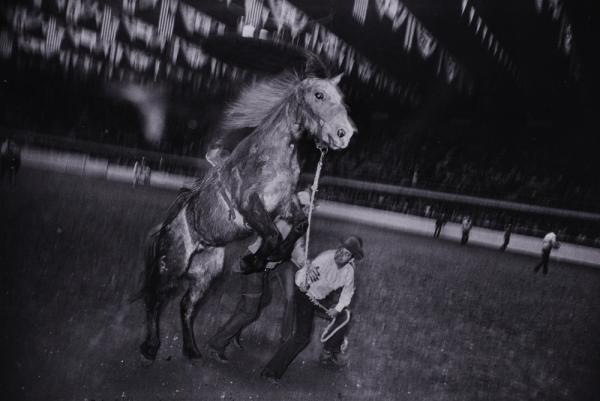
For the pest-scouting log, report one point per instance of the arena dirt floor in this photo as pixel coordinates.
(432, 320)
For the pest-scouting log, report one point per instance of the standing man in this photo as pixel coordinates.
(466, 226)
(331, 270)
(548, 243)
(507, 234)
(254, 288)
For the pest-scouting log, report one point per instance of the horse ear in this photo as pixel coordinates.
(336, 80)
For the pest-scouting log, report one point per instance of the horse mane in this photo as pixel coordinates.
(257, 101)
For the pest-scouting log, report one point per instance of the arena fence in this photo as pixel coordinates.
(85, 165)
(573, 226)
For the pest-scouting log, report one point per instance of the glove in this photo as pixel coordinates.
(332, 313)
(301, 226)
(303, 287)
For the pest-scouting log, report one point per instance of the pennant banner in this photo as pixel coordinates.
(487, 39)
(359, 11)
(195, 21)
(555, 9)
(6, 44)
(193, 55)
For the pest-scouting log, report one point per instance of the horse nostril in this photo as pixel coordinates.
(341, 133)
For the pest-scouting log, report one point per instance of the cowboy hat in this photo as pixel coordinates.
(354, 244)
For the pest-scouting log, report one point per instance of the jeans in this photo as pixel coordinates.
(305, 312)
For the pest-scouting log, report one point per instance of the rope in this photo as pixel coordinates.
(325, 337)
(314, 188)
(313, 193)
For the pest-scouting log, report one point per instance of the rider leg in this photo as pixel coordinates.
(246, 312)
(285, 277)
(259, 219)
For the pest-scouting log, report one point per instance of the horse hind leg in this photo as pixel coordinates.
(204, 267)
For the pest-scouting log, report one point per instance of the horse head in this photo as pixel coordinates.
(325, 114)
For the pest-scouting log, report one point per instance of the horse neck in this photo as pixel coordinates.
(284, 126)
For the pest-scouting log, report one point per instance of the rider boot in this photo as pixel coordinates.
(252, 263)
(284, 249)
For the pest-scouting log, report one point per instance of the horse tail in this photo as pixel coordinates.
(151, 265)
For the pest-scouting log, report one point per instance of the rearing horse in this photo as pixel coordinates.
(242, 195)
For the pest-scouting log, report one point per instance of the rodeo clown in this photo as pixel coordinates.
(331, 270)
(256, 291)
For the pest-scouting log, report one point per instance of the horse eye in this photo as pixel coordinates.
(319, 95)
(341, 133)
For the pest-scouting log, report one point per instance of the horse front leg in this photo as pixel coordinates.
(258, 218)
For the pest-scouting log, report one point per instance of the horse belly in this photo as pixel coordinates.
(276, 191)
(216, 221)
(181, 237)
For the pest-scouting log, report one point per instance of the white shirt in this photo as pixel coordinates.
(330, 279)
(549, 240)
(297, 254)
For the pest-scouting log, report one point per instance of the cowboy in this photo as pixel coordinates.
(256, 292)
(329, 271)
(548, 243)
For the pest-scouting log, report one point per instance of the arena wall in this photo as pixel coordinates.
(84, 165)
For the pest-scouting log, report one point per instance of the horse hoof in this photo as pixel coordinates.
(236, 342)
(216, 355)
(145, 362)
(148, 352)
(246, 264)
(192, 354)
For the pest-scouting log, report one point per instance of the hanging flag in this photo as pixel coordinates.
(253, 12)
(565, 37)
(147, 4)
(174, 49)
(393, 10)
(84, 38)
(425, 42)
(166, 18)
(286, 15)
(129, 6)
(195, 21)
(115, 54)
(359, 11)
(463, 7)
(555, 6)
(409, 32)
(23, 20)
(110, 24)
(139, 30)
(138, 59)
(31, 44)
(6, 45)
(450, 68)
(54, 36)
(194, 56)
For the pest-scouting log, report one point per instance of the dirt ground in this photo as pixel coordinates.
(432, 320)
